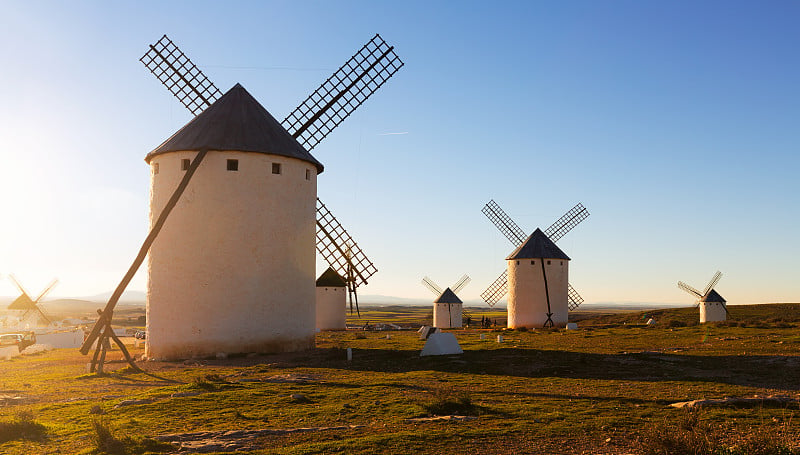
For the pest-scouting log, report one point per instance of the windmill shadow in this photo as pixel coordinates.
(763, 371)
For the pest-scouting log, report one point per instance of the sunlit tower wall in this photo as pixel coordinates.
(527, 297)
(232, 270)
(331, 301)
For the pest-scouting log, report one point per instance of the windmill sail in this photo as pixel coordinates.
(180, 76)
(343, 92)
(437, 291)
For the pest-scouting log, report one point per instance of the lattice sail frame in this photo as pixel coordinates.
(460, 284)
(342, 92)
(712, 283)
(496, 290)
(504, 222)
(339, 249)
(181, 77)
(433, 287)
(567, 221)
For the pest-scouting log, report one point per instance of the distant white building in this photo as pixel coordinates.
(331, 301)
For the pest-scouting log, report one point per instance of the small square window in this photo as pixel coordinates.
(155, 168)
(533, 262)
(548, 262)
(184, 164)
(276, 168)
(233, 165)
(517, 262)
(308, 174)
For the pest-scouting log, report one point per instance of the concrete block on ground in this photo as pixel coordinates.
(441, 343)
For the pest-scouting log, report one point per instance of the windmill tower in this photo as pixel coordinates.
(713, 306)
(447, 308)
(536, 277)
(233, 270)
(31, 314)
(331, 301)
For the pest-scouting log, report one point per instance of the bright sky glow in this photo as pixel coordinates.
(674, 123)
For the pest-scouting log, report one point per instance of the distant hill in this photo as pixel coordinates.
(128, 297)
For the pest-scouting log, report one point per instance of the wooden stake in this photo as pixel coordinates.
(102, 328)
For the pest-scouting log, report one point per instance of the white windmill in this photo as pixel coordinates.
(233, 213)
(537, 272)
(447, 308)
(29, 309)
(713, 306)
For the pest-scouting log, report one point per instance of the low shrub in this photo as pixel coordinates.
(22, 427)
(447, 400)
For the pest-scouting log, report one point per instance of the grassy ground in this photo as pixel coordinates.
(605, 388)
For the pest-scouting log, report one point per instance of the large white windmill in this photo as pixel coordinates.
(713, 306)
(232, 269)
(447, 308)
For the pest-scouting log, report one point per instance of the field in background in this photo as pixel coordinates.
(605, 388)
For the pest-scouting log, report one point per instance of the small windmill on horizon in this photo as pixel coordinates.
(713, 307)
(447, 308)
(31, 312)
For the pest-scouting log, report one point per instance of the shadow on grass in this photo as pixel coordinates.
(776, 372)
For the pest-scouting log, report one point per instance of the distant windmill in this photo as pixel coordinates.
(31, 311)
(447, 308)
(713, 306)
(235, 124)
(539, 301)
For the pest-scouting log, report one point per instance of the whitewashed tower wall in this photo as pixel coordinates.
(232, 270)
(527, 301)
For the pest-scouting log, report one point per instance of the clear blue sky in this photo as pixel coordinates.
(674, 123)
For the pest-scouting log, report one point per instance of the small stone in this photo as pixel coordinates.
(300, 398)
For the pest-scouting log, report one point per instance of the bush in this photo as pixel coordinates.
(107, 444)
(446, 400)
(22, 428)
(691, 435)
(676, 323)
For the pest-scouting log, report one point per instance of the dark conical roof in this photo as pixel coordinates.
(22, 302)
(538, 245)
(331, 279)
(236, 121)
(448, 296)
(713, 296)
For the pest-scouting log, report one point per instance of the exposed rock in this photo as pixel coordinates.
(451, 418)
(124, 403)
(745, 402)
(9, 400)
(233, 441)
(296, 378)
(184, 394)
(300, 398)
